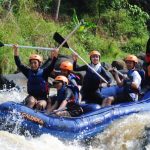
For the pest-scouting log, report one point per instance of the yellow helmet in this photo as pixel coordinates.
(131, 58)
(36, 57)
(62, 78)
(66, 65)
(94, 52)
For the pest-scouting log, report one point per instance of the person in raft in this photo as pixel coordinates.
(91, 89)
(37, 84)
(65, 99)
(129, 85)
(66, 69)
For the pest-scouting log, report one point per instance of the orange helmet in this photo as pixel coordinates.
(36, 57)
(94, 53)
(66, 65)
(131, 58)
(62, 78)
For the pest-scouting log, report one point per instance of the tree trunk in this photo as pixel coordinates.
(57, 11)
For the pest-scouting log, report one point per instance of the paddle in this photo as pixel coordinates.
(45, 48)
(58, 38)
(59, 110)
(26, 47)
(64, 41)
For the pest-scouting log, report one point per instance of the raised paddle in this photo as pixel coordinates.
(58, 38)
(64, 41)
(27, 47)
(45, 48)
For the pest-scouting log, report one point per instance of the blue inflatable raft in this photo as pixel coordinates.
(93, 121)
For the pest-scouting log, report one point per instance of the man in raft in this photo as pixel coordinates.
(37, 85)
(128, 86)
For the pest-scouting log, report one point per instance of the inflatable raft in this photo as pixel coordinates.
(93, 121)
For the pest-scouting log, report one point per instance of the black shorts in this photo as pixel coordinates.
(122, 98)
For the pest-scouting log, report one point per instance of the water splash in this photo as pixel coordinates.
(44, 142)
(125, 134)
(13, 94)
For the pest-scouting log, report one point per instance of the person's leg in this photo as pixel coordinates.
(52, 104)
(30, 101)
(108, 101)
(41, 104)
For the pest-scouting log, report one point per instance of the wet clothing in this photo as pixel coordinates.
(37, 80)
(91, 83)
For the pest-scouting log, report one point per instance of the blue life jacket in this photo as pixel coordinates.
(36, 85)
(61, 94)
(91, 80)
(73, 76)
(142, 74)
(128, 82)
(75, 91)
(73, 87)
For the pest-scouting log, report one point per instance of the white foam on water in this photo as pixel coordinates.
(124, 134)
(10, 141)
(12, 95)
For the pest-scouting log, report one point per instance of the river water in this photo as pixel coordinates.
(125, 134)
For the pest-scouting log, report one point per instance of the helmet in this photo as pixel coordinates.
(66, 65)
(131, 58)
(36, 57)
(94, 53)
(62, 78)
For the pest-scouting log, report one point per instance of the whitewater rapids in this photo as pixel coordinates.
(125, 134)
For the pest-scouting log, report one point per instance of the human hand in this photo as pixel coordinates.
(54, 53)
(74, 57)
(15, 48)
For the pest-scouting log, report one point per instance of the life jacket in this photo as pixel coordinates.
(73, 76)
(75, 91)
(128, 82)
(36, 85)
(73, 87)
(91, 80)
(142, 74)
(61, 94)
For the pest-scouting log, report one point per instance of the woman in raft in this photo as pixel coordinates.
(37, 84)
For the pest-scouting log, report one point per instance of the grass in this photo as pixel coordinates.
(115, 35)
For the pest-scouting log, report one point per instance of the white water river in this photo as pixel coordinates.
(125, 134)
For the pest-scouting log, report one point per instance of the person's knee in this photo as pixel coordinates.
(41, 104)
(31, 100)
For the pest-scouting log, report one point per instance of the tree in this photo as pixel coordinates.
(57, 11)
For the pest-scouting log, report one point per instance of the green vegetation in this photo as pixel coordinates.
(116, 29)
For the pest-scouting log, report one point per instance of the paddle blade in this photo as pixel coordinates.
(59, 39)
(1, 44)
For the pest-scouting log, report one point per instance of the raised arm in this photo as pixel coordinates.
(50, 68)
(75, 68)
(24, 69)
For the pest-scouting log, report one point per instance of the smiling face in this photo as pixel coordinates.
(34, 64)
(95, 59)
(130, 64)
